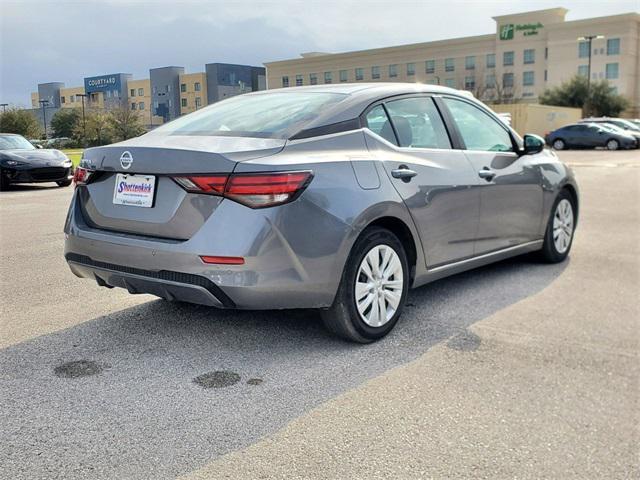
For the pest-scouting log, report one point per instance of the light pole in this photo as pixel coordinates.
(589, 39)
(4, 107)
(44, 116)
(84, 124)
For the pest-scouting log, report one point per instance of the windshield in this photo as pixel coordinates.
(15, 142)
(270, 115)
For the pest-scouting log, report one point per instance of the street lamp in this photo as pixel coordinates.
(44, 116)
(84, 125)
(4, 107)
(589, 39)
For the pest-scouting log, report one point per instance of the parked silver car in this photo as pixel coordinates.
(336, 197)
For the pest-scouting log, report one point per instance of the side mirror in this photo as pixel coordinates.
(533, 144)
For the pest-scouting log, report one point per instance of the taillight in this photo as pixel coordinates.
(255, 190)
(81, 176)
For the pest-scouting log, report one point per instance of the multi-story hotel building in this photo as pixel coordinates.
(527, 53)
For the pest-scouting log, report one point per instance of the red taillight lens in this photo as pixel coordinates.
(81, 176)
(255, 190)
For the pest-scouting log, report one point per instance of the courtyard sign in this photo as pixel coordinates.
(527, 29)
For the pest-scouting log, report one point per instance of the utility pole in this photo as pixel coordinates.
(4, 107)
(84, 123)
(44, 116)
(589, 39)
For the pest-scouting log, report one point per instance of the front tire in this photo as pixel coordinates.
(560, 229)
(558, 144)
(613, 144)
(373, 288)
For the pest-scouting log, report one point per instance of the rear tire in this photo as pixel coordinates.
(64, 183)
(558, 144)
(352, 315)
(558, 237)
(612, 144)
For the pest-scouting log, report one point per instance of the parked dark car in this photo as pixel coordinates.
(589, 135)
(21, 162)
(627, 126)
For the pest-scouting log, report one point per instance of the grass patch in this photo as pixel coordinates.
(74, 155)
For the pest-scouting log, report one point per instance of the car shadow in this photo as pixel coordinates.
(31, 187)
(159, 389)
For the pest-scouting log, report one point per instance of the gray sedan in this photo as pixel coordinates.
(336, 197)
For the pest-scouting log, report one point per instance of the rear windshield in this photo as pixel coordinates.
(270, 115)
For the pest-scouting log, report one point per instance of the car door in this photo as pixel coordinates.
(510, 184)
(435, 181)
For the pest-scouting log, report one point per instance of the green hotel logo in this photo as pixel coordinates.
(506, 31)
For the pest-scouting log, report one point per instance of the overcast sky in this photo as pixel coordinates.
(45, 41)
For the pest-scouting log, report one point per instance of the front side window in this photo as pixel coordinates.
(417, 123)
(270, 115)
(375, 72)
(611, 71)
(378, 123)
(613, 46)
(393, 71)
(529, 56)
(430, 66)
(359, 73)
(507, 59)
(470, 63)
(491, 60)
(528, 79)
(449, 65)
(479, 131)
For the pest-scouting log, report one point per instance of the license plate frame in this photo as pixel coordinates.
(141, 191)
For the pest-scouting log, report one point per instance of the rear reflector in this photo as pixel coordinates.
(222, 260)
(255, 190)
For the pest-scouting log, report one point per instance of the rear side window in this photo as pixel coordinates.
(378, 122)
(267, 115)
(479, 131)
(418, 123)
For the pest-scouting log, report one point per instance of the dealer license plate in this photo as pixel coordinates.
(134, 190)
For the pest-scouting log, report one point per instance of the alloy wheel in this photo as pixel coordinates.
(563, 225)
(379, 284)
(558, 144)
(612, 145)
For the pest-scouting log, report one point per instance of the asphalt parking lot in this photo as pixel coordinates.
(519, 369)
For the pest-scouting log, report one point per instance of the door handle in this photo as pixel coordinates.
(404, 174)
(487, 174)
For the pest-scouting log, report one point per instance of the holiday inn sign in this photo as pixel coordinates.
(507, 31)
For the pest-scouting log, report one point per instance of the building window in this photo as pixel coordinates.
(470, 63)
(528, 79)
(491, 60)
(375, 72)
(197, 87)
(507, 58)
(344, 76)
(299, 81)
(583, 70)
(141, 92)
(183, 87)
(449, 64)
(140, 105)
(359, 73)
(469, 83)
(393, 71)
(490, 81)
(430, 66)
(507, 80)
(583, 49)
(313, 78)
(613, 46)
(411, 69)
(450, 82)
(133, 106)
(529, 56)
(132, 93)
(328, 77)
(183, 102)
(285, 81)
(61, 99)
(611, 71)
(72, 98)
(168, 88)
(198, 102)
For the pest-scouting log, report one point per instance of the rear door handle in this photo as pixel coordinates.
(487, 174)
(404, 174)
